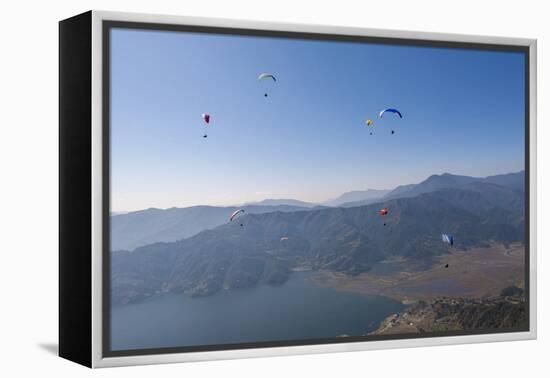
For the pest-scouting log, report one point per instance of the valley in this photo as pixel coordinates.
(471, 273)
(399, 254)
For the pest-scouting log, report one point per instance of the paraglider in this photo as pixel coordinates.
(390, 110)
(264, 76)
(447, 239)
(368, 123)
(383, 212)
(284, 238)
(236, 214)
(206, 119)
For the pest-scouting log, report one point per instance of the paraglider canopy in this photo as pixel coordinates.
(390, 110)
(383, 211)
(235, 214)
(447, 239)
(266, 75)
(284, 238)
(206, 117)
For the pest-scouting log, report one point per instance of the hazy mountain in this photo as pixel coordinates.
(138, 228)
(480, 197)
(357, 196)
(362, 203)
(513, 181)
(398, 191)
(134, 229)
(349, 240)
(282, 202)
(432, 183)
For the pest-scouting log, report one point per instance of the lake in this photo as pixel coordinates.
(296, 310)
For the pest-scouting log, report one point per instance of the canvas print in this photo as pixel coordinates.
(272, 190)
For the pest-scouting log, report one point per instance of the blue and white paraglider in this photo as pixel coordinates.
(390, 110)
(448, 239)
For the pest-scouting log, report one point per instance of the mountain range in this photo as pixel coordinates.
(272, 243)
(139, 228)
(514, 181)
(282, 202)
(134, 229)
(357, 196)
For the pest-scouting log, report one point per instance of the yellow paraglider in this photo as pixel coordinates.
(369, 122)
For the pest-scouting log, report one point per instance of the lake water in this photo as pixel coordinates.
(296, 310)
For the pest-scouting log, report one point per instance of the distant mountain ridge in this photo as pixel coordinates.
(281, 202)
(348, 240)
(356, 196)
(138, 228)
(514, 181)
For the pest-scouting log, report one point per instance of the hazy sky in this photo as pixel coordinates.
(463, 113)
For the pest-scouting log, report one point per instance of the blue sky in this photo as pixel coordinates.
(463, 113)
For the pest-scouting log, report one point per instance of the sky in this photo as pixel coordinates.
(463, 113)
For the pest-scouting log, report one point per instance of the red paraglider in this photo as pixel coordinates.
(206, 119)
(383, 212)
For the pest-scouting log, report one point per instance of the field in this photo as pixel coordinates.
(473, 273)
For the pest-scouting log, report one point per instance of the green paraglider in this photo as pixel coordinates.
(264, 76)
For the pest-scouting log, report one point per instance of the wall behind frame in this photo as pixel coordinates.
(30, 155)
(75, 217)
